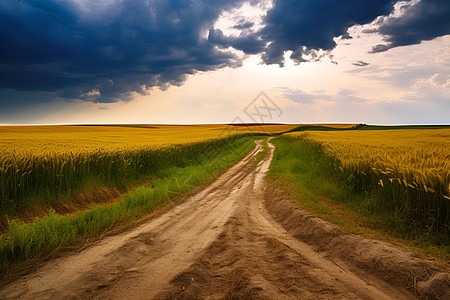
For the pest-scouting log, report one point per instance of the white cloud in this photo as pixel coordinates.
(435, 88)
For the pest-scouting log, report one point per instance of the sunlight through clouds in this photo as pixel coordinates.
(204, 61)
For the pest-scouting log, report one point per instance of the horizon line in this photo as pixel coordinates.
(220, 123)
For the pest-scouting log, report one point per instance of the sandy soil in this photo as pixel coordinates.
(235, 239)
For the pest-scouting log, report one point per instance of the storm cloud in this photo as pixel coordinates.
(422, 21)
(105, 51)
(302, 26)
(249, 43)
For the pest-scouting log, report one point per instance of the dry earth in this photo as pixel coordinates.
(236, 239)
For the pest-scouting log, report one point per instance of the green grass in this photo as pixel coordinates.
(321, 128)
(394, 127)
(356, 204)
(24, 241)
(365, 127)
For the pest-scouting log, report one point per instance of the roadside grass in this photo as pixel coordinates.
(24, 241)
(308, 177)
(397, 127)
(347, 127)
(319, 127)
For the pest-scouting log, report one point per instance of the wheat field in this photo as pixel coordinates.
(408, 170)
(41, 140)
(418, 159)
(39, 164)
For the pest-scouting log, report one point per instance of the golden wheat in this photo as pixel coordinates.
(59, 139)
(415, 158)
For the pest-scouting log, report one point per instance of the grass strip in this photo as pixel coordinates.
(355, 201)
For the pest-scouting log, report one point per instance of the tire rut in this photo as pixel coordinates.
(221, 243)
(140, 262)
(254, 257)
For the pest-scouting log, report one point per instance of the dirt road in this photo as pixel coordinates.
(220, 243)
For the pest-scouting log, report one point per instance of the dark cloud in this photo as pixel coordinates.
(304, 27)
(102, 52)
(243, 25)
(250, 43)
(360, 63)
(25, 107)
(423, 21)
(105, 51)
(300, 26)
(346, 36)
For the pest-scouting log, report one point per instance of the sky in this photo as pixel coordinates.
(215, 61)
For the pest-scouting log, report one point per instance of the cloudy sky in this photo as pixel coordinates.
(207, 61)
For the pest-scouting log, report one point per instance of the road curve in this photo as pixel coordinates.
(219, 243)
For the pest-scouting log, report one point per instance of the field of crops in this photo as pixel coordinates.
(40, 140)
(43, 165)
(417, 159)
(409, 168)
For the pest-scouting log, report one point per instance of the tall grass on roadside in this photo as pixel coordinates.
(40, 180)
(182, 173)
(416, 158)
(402, 209)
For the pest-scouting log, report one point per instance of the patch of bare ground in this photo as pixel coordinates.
(256, 258)
(426, 278)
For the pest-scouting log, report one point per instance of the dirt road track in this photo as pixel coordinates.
(219, 243)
